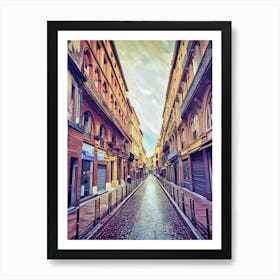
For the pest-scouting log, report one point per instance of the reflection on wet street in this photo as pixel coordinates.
(147, 215)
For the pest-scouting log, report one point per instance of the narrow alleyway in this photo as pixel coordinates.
(147, 215)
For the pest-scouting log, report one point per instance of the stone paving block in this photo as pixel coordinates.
(147, 215)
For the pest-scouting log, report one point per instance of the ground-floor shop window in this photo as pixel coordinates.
(86, 178)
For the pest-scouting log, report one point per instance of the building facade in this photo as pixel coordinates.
(99, 120)
(186, 134)
(136, 147)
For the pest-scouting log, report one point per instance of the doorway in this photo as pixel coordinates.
(72, 188)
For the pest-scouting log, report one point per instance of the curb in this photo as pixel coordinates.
(181, 213)
(109, 217)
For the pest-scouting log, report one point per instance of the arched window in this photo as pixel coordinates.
(194, 127)
(209, 113)
(102, 136)
(87, 124)
(183, 139)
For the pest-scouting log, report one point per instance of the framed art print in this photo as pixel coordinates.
(139, 140)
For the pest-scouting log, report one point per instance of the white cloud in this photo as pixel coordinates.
(146, 66)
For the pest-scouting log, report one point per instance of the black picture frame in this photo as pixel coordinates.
(53, 27)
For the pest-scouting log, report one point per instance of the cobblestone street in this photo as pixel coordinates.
(147, 215)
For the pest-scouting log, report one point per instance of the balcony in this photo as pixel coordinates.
(165, 147)
(131, 157)
(100, 102)
(204, 66)
(92, 91)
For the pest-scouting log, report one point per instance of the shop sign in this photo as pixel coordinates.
(100, 157)
(87, 152)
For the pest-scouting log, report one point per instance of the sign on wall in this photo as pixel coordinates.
(87, 152)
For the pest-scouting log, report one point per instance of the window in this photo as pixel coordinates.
(196, 57)
(104, 89)
(87, 63)
(209, 114)
(114, 140)
(98, 51)
(71, 102)
(102, 136)
(73, 92)
(183, 139)
(194, 127)
(87, 124)
(78, 109)
(87, 121)
(86, 69)
(97, 80)
(105, 65)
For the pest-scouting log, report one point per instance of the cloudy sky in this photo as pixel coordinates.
(146, 66)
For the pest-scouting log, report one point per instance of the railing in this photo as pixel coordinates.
(93, 92)
(88, 214)
(198, 211)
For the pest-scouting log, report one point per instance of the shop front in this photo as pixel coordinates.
(172, 170)
(101, 172)
(201, 163)
(87, 170)
(187, 174)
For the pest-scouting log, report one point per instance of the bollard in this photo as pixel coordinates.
(183, 203)
(117, 197)
(191, 208)
(178, 197)
(97, 211)
(121, 193)
(109, 202)
(192, 211)
(77, 223)
(208, 225)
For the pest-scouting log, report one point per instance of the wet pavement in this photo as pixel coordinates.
(147, 215)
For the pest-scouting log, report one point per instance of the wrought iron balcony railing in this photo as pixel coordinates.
(92, 91)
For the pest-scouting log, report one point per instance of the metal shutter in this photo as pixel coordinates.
(186, 174)
(198, 173)
(101, 178)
